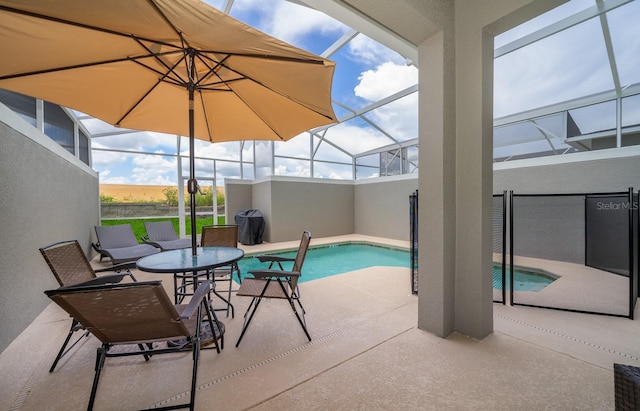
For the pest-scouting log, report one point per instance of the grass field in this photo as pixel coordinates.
(138, 224)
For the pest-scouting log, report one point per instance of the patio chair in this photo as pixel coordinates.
(273, 283)
(138, 313)
(119, 243)
(162, 235)
(222, 236)
(70, 267)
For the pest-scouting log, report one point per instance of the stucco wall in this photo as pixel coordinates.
(261, 195)
(382, 206)
(377, 207)
(46, 195)
(554, 227)
(237, 197)
(291, 205)
(591, 172)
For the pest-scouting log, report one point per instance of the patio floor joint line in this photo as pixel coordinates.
(570, 338)
(260, 364)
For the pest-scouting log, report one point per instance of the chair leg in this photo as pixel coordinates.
(255, 302)
(237, 269)
(100, 358)
(194, 373)
(301, 320)
(228, 299)
(63, 352)
(195, 347)
(147, 357)
(229, 295)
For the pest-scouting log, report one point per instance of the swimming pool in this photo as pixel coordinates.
(332, 259)
(524, 279)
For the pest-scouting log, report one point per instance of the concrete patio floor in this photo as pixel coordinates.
(366, 354)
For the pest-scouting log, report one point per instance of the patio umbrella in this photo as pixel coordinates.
(171, 66)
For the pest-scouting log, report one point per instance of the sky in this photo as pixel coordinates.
(565, 66)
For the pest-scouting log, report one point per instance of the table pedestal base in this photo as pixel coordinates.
(206, 336)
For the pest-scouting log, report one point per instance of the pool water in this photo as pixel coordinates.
(324, 261)
(523, 279)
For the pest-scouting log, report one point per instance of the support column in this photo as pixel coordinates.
(437, 210)
(456, 146)
(456, 168)
(474, 177)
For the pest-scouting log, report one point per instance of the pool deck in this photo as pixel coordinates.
(366, 354)
(577, 287)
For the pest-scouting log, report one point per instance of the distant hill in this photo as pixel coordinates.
(135, 193)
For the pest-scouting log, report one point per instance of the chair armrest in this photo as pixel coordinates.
(273, 273)
(196, 299)
(265, 258)
(103, 279)
(118, 268)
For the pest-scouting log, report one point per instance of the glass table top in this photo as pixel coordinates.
(182, 260)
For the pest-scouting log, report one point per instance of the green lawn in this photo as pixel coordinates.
(138, 224)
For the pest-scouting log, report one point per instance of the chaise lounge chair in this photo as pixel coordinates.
(139, 314)
(119, 243)
(273, 283)
(162, 235)
(70, 267)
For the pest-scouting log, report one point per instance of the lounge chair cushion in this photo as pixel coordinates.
(120, 243)
(161, 234)
(124, 254)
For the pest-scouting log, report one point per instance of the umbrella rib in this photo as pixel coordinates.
(267, 57)
(166, 19)
(82, 25)
(160, 80)
(211, 72)
(164, 76)
(178, 79)
(77, 66)
(206, 117)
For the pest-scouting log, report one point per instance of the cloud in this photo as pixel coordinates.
(287, 21)
(148, 169)
(384, 80)
(399, 118)
(295, 147)
(154, 170)
(137, 141)
(356, 139)
(103, 159)
(223, 151)
(290, 23)
(368, 51)
(288, 167)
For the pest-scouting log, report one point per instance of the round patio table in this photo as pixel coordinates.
(186, 268)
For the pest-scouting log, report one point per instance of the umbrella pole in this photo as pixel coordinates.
(192, 185)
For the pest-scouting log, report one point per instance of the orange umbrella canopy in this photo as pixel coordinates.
(132, 63)
(171, 66)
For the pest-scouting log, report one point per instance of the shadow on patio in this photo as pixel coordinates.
(366, 353)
